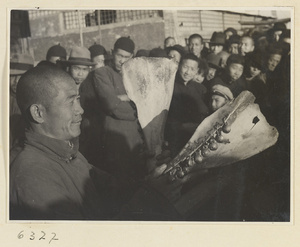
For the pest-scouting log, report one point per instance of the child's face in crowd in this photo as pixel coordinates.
(199, 77)
(211, 73)
(246, 45)
(235, 71)
(188, 69)
(273, 61)
(254, 71)
(217, 102)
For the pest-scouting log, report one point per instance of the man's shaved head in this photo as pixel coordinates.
(39, 85)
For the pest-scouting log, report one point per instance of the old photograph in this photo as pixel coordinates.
(150, 115)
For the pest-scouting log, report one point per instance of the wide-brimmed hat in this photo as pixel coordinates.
(218, 38)
(79, 56)
(97, 50)
(222, 91)
(56, 51)
(213, 61)
(20, 63)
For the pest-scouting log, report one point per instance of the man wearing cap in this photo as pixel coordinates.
(98, 55)
(79, 64)
(232, 76)
(220, 95)
(233, 44)
(19, 64)
(217, 43)
(123, 139)
(56, 53)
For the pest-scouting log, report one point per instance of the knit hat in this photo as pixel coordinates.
(218, 38)
(235, 58)
(97, 50)
(222, 91)
(56, 51)
(79, 56)
(125, 44)
(213, 61)
(20, 63)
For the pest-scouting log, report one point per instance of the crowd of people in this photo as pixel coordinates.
(77, 150)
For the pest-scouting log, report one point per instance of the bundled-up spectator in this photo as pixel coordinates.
(276, 31)
(217, 43)
(220, 95)
(123, 141)
(202, 72)
(246, 45)
(233, 44)
(79, 64)
(230, 32)
(232, 75)
(98, 55)
(196, 46)
(187, 109)
(19, 64)
(175, 53)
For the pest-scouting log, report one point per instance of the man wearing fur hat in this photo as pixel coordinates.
(123, 138)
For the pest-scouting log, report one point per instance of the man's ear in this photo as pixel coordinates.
(37, 112)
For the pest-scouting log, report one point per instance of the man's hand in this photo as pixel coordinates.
(123, 97)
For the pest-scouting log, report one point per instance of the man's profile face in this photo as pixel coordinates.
(79, 73)
(120, 57)
(195, 46)
(217, 102)
(62, 116)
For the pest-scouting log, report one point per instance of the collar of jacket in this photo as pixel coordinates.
(64, 150)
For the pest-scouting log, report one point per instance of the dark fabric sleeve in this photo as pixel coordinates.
(41, 197)
(148, 204)
(112, 105)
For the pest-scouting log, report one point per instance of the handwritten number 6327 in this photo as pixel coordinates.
(33, 236)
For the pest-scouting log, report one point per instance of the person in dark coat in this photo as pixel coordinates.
(123, 143)
(232, 77)
(187, 109)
